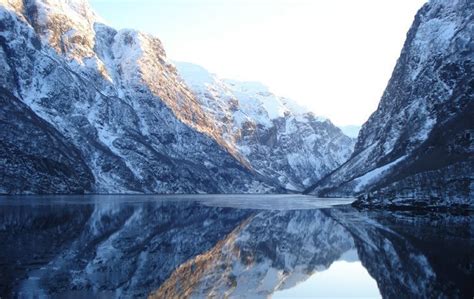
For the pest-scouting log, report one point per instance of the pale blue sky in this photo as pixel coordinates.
(333, 56)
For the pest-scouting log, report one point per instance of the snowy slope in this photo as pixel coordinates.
(278, 137)
(119, 103)
(417, 147)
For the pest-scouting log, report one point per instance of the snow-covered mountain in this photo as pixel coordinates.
(417, 149)
(86, 108)
(100, 110)
(278, 137)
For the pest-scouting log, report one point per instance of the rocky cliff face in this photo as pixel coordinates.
(417, 148)
(105, 108)
(279, 138)
(43, 155)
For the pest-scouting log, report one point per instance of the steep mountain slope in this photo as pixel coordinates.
(42, 155)
(417, 148)
(279, 138)
(114, 101)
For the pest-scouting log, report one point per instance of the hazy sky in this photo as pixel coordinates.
(333, 56)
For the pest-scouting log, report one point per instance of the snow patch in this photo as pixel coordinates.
(374, 175)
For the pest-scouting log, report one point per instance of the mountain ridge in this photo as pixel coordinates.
(114, 95)
(119, 102)
(275, 134)
(423, 124)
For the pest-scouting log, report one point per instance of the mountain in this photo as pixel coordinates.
(279, 138)
(417, 148)
(86, 108)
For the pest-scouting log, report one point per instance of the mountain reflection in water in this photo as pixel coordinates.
(236, 246)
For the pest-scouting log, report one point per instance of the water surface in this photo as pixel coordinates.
(241, 246)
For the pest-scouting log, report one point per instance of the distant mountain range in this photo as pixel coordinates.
(279, 138)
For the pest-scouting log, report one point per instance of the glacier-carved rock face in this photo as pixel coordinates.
(417, 147)
(43, 155)
(117, 101)
(279, 138)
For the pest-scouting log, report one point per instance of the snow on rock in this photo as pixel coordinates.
(425, 117)
(115, 97)
(374, 175)
(278, 137)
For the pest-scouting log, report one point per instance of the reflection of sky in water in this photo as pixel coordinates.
(244, 246)
(345, 278)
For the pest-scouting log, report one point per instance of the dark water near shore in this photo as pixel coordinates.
(240, 246)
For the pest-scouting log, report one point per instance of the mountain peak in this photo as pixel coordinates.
(66, 25)
(261, 124)
(80, 10)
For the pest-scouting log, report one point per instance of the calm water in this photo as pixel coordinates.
(236, 246)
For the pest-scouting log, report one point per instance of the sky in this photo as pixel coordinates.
(334, 56)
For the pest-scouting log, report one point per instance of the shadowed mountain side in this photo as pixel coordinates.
(417, 149)
(117, 100)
